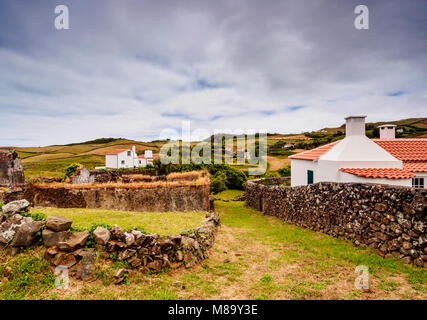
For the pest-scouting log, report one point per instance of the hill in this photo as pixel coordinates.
(50, 161)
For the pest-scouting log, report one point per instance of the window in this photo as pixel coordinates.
(418, 182)
(123, 161)
(309, 176)
(129, 153)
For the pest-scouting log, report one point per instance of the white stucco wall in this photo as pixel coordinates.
(111, 161)
(299, 171)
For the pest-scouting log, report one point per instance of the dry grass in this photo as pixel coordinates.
(133, 185)
(277, 163)
(47, 156)
(192, 175)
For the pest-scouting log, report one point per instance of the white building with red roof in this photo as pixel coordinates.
(128, 158)
(359, 159)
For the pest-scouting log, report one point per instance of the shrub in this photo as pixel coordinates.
(37, 216)
(1, 205)
(218, 183)
(71, 169)
(285, 172)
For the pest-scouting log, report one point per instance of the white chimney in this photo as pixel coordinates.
(355, 126)
(387, 131)
(133, 149)
(148, 154)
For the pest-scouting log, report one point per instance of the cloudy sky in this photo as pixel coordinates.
(131, 68)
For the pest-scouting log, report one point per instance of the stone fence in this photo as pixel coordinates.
(391, 220)
(165, 198)
(79, 251)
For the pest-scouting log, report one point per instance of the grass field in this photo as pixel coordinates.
(253, 257)
(163, 223)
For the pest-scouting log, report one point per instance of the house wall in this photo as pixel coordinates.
(111, 161)
(390, 219)
(299, 171)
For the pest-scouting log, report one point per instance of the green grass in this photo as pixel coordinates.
(254, 257)
(163, 223)
(55, 168)
(228, 194)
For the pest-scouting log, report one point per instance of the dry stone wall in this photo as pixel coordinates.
(391, 220)
(79, 251)
(162, 199)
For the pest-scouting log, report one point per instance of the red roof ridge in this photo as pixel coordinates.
(114, 152)
(314, 154)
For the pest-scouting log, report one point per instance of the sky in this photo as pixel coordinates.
(133, 68)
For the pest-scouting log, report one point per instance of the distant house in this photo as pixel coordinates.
(289, 145)
(357, 158)
(128, 158)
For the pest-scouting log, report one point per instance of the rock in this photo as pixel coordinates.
(63, 259)
(52, 238)
(125, 254)
(58, 223)
(155, 265)
(11, 171)
(114, 245)
(84, 271)
(118, 233)
(381, 207)
(129, 238)
(15, 207)
(101, 235)
(179, 256)
(9, 227)
(87, 255)
(134, 262)
(419, 226)
(407, 260)
(82, 176)
(419, 262)
(74, 242)
(26, 234)
(119, 276)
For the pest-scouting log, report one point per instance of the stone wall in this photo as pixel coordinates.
(78, 251)
(173, 198)
(391, 220)
(11, 171)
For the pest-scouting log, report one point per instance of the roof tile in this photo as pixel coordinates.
(388, 173)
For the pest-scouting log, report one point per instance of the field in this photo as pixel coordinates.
(253, 257)
(163, 223)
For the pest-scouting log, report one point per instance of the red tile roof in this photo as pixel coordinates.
(388, 173)
(314, 154)
(116, 152)
(155, 156)
(415, 166)
(405, 149)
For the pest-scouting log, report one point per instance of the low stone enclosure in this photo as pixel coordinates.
(391, 220)
(79, 250)
(173, 194)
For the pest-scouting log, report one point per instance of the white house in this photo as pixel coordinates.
(128, 158)
(357, 158)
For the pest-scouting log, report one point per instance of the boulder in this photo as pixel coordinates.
(52, 238)
(15, 207)
(101, 235)
(84, 271)
(118, 233)
(26, 234)
(87, 255)
(58, 223)
(9, 227)
(11, 171)
(155, 265)
(74, 242)
(63, 259)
